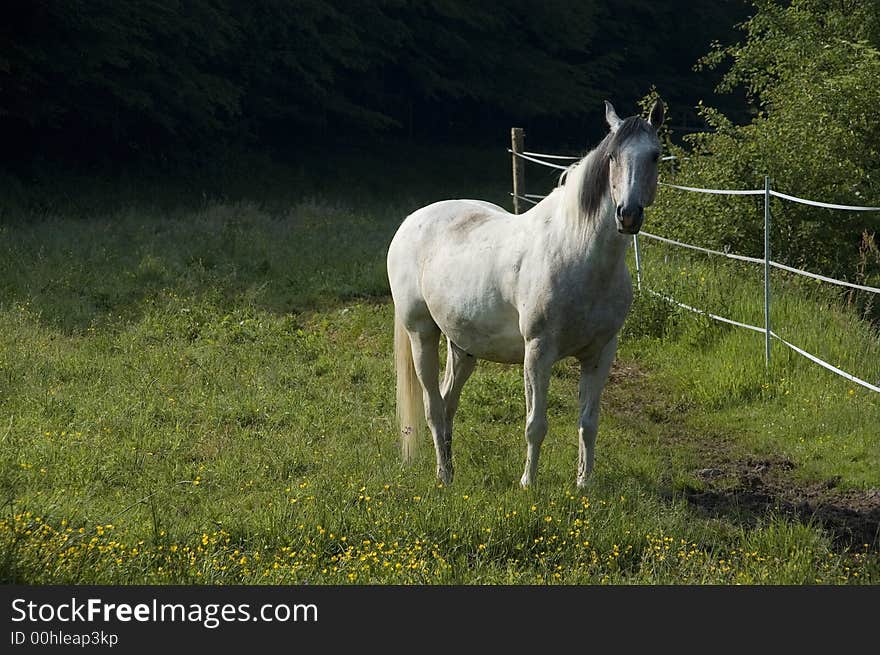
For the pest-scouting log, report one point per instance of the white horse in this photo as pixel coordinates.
(531, 288)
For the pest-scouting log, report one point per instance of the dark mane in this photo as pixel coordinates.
(594, 183)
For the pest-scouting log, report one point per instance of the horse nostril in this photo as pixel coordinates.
(620, 211)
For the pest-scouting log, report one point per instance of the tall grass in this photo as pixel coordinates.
(798, 408)
(204, 394)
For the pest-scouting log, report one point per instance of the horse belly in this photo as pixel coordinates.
(486, 341)
(487, 328)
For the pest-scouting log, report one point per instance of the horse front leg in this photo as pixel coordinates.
(594, 374)
(536, 374)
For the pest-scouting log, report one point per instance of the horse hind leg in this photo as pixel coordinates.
(425, 341)
(459, 367)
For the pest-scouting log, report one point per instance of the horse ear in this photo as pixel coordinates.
(612, 117)
(655, 118)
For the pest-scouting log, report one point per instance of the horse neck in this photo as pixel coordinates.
(590, 244)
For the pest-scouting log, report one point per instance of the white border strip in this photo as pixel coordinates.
(724, 192)
(704, 313)
(823, 278)
(538, 161)
(824, 364)
(826, 205)
(744, 258)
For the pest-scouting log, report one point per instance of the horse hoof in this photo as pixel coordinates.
(583, 483)
(445, 476)
(525, 482)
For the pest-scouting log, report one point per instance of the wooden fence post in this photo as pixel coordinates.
(517, 140)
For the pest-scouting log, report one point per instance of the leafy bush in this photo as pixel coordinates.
(811, 68)
(650, 316)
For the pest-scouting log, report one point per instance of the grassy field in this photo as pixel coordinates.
(198, 389)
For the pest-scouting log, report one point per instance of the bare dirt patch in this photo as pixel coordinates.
(729, 481)
(750, 488)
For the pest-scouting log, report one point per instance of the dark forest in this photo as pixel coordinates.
(101, 81)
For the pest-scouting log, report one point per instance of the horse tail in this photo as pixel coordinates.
(410, 404)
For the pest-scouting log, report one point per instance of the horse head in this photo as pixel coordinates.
(633, 155)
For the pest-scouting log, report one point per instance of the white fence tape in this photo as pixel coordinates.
(531, 156)
(743, 258)
(705, 313)
(534, 202)
(756, 260)
(754, 328)
(826, 205)
(823, 278)
(538, 161)
(546, 156)
(811, 357)
(824, 364)
(723, 192)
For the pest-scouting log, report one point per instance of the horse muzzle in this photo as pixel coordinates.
(629, 218)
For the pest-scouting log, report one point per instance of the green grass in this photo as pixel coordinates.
(829, 425)
(204, 394)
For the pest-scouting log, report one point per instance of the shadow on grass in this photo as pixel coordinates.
(280, 237)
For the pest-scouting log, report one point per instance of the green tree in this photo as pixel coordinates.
(811, 68)
(112, 79)
(104, 74)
